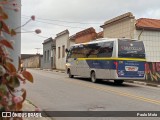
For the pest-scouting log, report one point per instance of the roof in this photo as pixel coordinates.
(148, 24)
(72, 37)
(62, 33)
(25, 56)
(85, 32)
(47, 40)
(100, 34)
(118, 18)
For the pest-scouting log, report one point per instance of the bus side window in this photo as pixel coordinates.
(106, 50)
(92, 50)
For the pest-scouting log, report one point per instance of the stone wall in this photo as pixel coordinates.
(32, 62)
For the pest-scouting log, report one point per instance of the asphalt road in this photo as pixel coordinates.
(54, 91)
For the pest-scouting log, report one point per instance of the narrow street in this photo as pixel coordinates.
(54, 91)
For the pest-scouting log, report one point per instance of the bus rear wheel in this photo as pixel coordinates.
(93, 77)
(69, 74)
(118, 82)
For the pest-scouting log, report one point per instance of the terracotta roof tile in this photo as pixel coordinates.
(100, 34)
(148, 24)
(72, 37)
(86, 31)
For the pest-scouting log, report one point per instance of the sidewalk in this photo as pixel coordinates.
(144, 83)
(28, 106)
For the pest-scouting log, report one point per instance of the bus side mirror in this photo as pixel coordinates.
(67, 50)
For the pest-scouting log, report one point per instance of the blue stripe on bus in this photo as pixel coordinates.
(108, 64)
(101, 64)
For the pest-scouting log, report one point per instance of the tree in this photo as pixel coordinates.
(10, 77)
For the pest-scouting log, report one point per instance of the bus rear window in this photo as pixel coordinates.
(131, 49)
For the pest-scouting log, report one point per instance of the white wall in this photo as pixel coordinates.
(71, 43)
(123, 28)
(152, 44)
(127, 29)
(60, 41)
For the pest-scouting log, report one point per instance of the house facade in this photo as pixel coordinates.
(147, 30)
(54, 55)
(120, 26)
(62, 42)
(48, 54)
(86, 35)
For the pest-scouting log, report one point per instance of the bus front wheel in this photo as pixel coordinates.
(118, 82)
(69, 74)
(93, 77)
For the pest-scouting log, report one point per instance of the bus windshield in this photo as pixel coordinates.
(131, 49)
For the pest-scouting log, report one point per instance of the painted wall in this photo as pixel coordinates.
(127, 29)
(71, 42)
(47, 47)
(62, 40)
(153, 72)
(124, 28)
(152, 44)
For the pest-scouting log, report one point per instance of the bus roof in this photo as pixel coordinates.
(103, 40)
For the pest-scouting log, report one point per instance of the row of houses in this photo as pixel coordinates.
(54, 55)
(123, 26)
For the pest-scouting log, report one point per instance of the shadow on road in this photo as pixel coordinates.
(106, 82)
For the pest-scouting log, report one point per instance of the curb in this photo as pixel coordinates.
(146, 84)
(53, 70)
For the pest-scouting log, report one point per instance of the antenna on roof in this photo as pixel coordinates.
(37, 50)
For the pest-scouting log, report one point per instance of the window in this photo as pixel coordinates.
(94, 50)
(45, 56)
(63, 51)
(77, 52)
(131, 49)
(51, 53)
(105, 50)
(48, 55)
(59, 52)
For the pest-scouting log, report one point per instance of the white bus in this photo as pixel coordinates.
(109, 59)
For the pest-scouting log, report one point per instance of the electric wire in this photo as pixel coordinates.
(62, 20)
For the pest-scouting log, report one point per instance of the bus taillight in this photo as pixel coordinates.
(116, 64)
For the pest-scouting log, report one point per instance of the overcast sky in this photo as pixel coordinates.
(54, 16)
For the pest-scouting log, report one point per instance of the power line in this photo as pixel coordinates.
(64, 20)
(58, 24)
(36, 34)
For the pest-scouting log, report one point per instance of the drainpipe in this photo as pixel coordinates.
(140, 34)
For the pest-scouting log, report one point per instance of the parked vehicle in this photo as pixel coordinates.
(110, 59)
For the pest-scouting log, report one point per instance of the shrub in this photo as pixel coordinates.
(10, 77)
